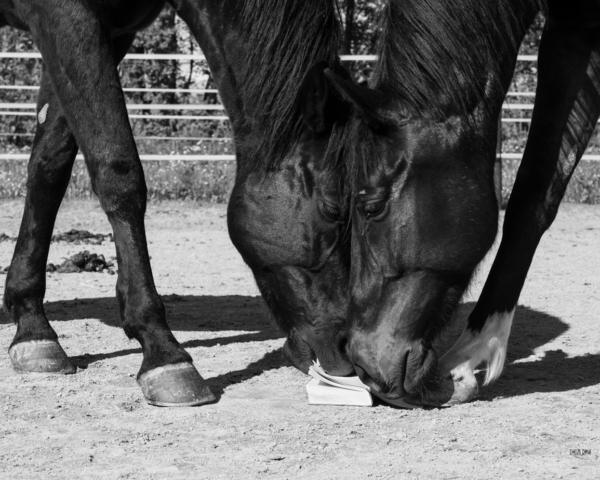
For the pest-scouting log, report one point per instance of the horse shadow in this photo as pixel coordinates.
(188, 313)
(553, 372)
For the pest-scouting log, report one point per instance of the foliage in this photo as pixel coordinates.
(14, 71)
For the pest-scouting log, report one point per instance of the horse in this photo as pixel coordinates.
(420, 146)
(284, 214)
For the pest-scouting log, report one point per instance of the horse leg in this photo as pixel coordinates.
(35, 347)
(566, 110)
(85, 79)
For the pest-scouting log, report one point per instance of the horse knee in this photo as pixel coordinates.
(20, 288)
(120, 185)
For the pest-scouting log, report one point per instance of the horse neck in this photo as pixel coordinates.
(216, 33)
(258, 79)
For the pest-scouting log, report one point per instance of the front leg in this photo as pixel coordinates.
(566, 110)
(35, 347)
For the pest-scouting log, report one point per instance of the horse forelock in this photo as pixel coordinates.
(284, 38)
(352, 156)
(440, 54)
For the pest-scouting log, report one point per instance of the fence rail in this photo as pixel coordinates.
(28, 109)
(183, 56)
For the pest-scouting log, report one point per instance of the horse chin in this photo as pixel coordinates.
(300, 356)
(338, 368)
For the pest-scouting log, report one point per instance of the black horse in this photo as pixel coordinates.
(284, 216)
(421, 148)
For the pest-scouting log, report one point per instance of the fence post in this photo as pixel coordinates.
(498, 164)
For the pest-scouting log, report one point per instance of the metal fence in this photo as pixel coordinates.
(211, 112)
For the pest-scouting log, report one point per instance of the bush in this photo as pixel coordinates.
(167, 180)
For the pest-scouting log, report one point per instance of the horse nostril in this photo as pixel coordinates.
(343, 345)
(420, 368)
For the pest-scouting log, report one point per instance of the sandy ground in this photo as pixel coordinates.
(95, 424)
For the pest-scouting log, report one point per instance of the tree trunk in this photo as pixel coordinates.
(349, 30)
(167, 24)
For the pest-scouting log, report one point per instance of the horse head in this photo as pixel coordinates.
(289, 225)
(423, 215)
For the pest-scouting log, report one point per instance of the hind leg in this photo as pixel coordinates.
(35, 347)
(566, 110)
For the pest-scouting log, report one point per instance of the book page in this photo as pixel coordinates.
(326, 380)
(338, 381)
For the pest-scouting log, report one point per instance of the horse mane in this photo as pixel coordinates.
(285, 38)
(434, 54)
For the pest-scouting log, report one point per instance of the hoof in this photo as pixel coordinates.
(40, 356)
(178, 385)
(453, 390)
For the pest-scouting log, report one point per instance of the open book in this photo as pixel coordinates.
(325, 389)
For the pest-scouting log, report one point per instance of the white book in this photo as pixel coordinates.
(320, 393)
(325, 389)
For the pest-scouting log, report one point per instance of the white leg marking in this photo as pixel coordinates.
(488, 346)
(43, 113)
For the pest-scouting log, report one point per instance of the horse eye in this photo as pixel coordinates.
(331, 211)
(374, 208)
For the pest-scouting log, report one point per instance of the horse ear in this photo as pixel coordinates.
(372, 104)
(317, 100)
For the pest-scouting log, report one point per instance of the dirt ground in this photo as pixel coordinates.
(95, 424)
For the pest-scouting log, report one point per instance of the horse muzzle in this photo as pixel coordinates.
(395, 370)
